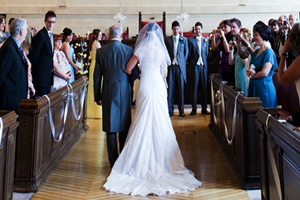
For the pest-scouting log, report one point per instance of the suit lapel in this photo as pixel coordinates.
(172, 45)
(196, 41)
(48, 39)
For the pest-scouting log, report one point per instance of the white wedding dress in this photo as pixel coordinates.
(151, 161)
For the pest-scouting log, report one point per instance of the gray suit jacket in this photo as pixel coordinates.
(182, 52)
(115, 96)
(194, 51)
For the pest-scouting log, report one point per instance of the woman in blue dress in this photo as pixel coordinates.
(69, 52)
(262, 66)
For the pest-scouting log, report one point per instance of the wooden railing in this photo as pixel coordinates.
(279, 158)
(7, 153)
(237, 135)
(38, 154)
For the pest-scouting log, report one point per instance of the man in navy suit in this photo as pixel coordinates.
(198, 52)
(41, 56)
(178, 50)
(115, 95)
(13, 67)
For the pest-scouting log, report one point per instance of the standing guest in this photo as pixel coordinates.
(279, 38)
(282, 19)
(13, 67)
(292, 73)
(264, 63)
(3, 36)
(61, 67)
(69, 52)
(93, 110)
(224, 31)
(293, 18)
(41, 56)
(238, 62)
(9, 23)
(198, 52)
(115, 95)
(177, 46)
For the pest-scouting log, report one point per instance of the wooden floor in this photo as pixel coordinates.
(85, 169)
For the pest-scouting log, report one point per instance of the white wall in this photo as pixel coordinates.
(82, 16)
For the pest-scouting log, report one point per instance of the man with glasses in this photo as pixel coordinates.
(41, 56)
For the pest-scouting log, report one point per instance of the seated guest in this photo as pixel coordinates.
(292, 73)
(62, 73)
(9, 23)
(262, 66)
(2, 27)
(238, 62)
(69, 52)
(93, 110)
(13, 67)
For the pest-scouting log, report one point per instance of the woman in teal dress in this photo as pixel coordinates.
(69, 52)
(238, 62)
(262, 66)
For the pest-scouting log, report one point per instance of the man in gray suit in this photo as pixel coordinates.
(198, 52)
(178, 50)
(115, 95)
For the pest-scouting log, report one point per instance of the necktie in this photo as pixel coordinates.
(51, 40)
(22, 53)
(175, 40)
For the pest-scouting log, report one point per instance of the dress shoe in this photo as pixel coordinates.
(182, 114)
(205, 112)
(194, 112)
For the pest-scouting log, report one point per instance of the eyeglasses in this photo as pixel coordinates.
(51, 22)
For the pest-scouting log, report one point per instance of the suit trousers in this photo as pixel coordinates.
(175, 78)
(112, 146)
(199, 79)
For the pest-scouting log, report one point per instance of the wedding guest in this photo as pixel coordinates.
(13, 67)
(61, 67)
(293, 18)
(225, 33)
(292, 73)
(177, 46)
(279, 38)
(41, 56)
(238, 62)
(69, 52)
(3, 36)
(8, 30)
(198, 52)
(264, 63)
(93, 110)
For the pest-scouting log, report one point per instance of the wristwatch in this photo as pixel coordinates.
(284, 54)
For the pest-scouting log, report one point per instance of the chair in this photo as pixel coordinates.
(162, 23)
(125, 34)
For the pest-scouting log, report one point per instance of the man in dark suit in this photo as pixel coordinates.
(178, 50)
(115, 95)
(13, 68)
(198, 52)
(41, 56)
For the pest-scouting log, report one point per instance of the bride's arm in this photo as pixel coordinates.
(131, 64)
(164, 69)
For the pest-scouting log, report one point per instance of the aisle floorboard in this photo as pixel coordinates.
(85, 169)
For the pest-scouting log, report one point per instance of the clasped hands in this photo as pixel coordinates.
(250, 73)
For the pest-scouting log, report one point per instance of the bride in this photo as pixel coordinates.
(151, 161)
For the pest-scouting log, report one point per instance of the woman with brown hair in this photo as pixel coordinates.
(93, 110)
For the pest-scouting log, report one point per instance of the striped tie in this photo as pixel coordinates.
(51, 40)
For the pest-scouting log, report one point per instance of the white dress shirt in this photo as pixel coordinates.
(200, 61)
(175, 51)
